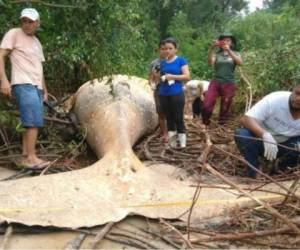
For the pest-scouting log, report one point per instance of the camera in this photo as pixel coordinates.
(157, 68)
(220, 43)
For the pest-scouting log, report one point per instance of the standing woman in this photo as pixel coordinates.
(174, 70)
(223, 83)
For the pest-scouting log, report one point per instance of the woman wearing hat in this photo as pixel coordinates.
(224, 60)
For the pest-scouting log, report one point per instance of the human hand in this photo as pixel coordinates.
(215, 44)
(152, 85)
(225, 47)
(202, 97)
(169, 77)
(5, 88)
(270, 146)
(45, 96)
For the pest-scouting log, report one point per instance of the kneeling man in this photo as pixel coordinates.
(276, 120)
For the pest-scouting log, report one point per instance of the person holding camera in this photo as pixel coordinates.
(154, 82)
(174, 70)
(223, 84)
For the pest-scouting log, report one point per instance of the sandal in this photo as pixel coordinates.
(39, 166)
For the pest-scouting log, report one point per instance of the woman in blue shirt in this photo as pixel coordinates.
(174, 70)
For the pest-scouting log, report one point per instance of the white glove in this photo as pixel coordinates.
(270, 146)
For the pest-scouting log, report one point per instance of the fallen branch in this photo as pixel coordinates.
(75, 243)
(260, 172)
(126, 241)
(247, 81)
(272, 210)
(101, 235)
(6, 238)
(186, 241)
(241, 236)
(46, 4)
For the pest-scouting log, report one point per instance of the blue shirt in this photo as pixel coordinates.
(173, 68)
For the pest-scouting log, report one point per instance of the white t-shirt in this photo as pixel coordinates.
(273, 114)
(26, 57)
(193, 86)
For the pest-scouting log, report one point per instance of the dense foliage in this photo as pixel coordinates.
(84, 39)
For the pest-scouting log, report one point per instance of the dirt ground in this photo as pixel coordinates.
(136, 232)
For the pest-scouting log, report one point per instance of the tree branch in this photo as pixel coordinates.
(46, 4)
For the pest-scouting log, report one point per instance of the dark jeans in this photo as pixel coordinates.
(172, 107)
(252, 149)
(226, 91)
(197, 107)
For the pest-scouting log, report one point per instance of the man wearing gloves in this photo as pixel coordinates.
(272, 128)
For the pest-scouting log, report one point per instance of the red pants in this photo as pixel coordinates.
(226, 91)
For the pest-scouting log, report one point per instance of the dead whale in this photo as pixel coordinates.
(114, 112)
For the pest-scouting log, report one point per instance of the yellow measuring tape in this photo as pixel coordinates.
(157, 204)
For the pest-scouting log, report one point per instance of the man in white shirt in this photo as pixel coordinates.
(276, 120)
(27, 84)
(194, 92)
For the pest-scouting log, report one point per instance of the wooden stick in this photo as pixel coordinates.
(272, 210)
(195, 198)
(247, 81)
(75, 243)
(6, 237)
(101, 235)
(260, 172)
(46, 4)
(129, 242)
(187, 242)
(241, 236)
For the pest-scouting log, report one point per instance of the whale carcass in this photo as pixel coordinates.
(114, 112)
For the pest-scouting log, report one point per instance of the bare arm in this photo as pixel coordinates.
(237, 59)
(201, 92)
(211, 55)
(251, 124)
(5, 84)
(185, 76)
(45, 90)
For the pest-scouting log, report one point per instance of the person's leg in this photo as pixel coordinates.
(178, 109)
(188, 103)
(288, 158)
(166, 104)
(24, 147)
(197, 107)
(249, 148)
(161, 116)
(210, 101)
(30, 104)
(178, 102)
(163, 127)
(227, 92)
(30, 141)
